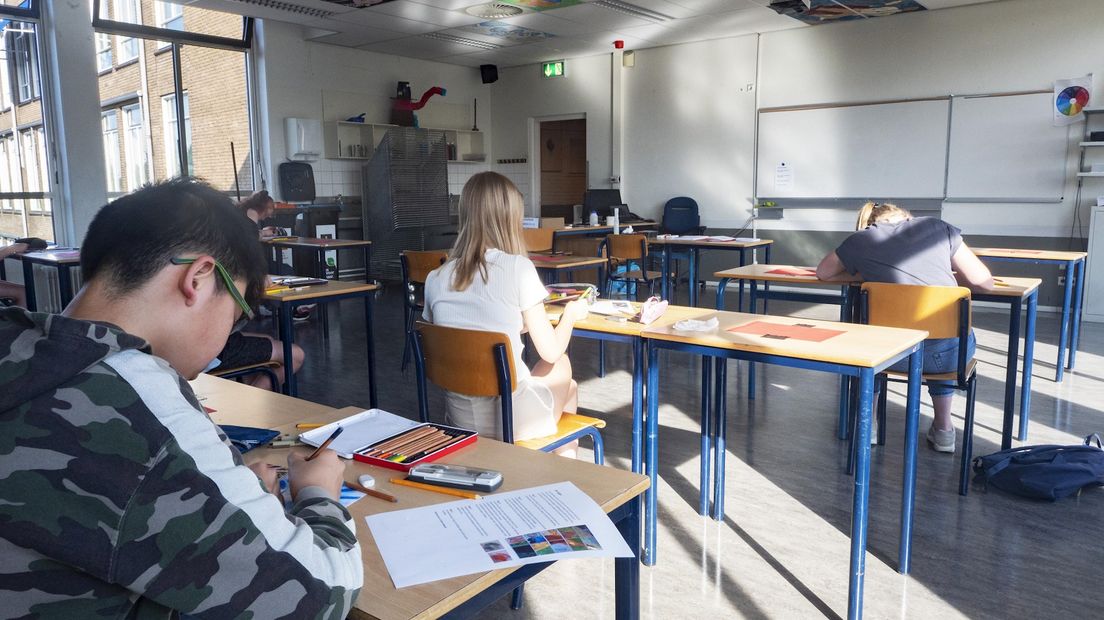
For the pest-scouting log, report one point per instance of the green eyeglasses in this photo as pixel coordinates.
(225, 275)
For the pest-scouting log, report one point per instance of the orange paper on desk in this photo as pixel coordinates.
(778, 331)
(793, 271)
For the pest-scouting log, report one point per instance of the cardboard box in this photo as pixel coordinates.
(555, 223)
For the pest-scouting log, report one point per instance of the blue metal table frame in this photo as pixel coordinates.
(287, 335)
(695, 258)
(1069, 332)
(627, 572)
(861, 489)
(65, 280)
(321, 249)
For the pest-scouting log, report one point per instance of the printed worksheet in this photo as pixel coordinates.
(541, 524)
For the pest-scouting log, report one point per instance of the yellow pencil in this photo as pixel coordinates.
(305, 426)
(429, 487)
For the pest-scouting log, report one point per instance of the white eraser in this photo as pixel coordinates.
(367, 481)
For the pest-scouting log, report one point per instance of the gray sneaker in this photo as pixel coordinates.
(941, 441)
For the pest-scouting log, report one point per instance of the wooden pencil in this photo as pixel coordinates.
(374, 493)
(413, 447)
(433, 448)
(401, 439)
(436, 489)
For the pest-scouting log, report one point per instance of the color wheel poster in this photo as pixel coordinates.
(1070, 98)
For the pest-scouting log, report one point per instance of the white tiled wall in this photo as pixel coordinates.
(337, 176)
(459, 174)
(519, 174)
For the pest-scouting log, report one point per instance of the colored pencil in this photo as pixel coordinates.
(410, 448)
(433, 448)
(374, 493)
(436, 489)
(402, 439)
(325, 444)
(306, 427)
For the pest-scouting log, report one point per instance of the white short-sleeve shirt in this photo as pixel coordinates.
(512, 287)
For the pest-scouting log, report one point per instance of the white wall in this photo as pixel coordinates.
(986, 48)
(689, 126)
(688, 129)
(522, 94)
(297, 75)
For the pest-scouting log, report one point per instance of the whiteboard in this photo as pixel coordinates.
(885, 150)
(1006, 147)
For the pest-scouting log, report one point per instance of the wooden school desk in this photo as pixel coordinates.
(696, 247)
(617, 492)
(60, 259)
(287, 300)
(849, 349)
(600, 230)
(1073, 291)
(1015, 292)
(552, 265)
(597, 327)
(321, 246)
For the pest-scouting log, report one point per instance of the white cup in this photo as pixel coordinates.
(611, 221)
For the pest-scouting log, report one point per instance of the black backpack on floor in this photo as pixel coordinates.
(1044, 472)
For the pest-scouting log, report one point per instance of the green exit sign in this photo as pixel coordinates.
(551, 69)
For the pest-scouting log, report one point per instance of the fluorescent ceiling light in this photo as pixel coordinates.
(633, 10)
(288, 7)
(448, 38)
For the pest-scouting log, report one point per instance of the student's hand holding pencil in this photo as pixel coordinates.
(325, 471)
(575, 311)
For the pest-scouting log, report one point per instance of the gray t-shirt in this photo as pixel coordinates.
(916, 251)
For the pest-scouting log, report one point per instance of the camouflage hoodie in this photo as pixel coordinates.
(119, 498)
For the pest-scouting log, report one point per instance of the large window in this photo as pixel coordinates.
(134, 144)
(169, 15)
(172, 136)
(23, 62)
(129, 11)
(103, 51)
(114, 168)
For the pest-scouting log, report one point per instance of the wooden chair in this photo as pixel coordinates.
(944, 312)
(630, 251)
(270, 369)
(538, 239)
(478, 363)
(416, 265)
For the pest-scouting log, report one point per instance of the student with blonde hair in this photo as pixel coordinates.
(489, 283)
(893, 246)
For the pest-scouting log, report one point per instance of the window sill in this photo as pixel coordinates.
(126, 63)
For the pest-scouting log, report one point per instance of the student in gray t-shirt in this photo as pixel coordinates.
(892, 246)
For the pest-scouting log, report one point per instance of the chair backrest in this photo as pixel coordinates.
(943, 311)
(416, 264)
(627, 247)
(465, 361)
(680, 215)
(538, 239)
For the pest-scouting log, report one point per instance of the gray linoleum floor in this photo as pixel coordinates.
(782, 549)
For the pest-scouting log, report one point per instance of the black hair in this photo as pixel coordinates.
(133, 238)
(259, 201)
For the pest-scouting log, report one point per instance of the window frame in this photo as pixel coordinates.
(124, 41)
(107, 50)
(102, 24)
(139, 142)
(33, 73)
(113, 159)
(170, 139)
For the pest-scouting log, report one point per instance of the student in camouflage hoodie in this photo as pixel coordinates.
(119, 498)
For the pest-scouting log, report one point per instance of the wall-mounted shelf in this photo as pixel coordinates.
(1090, 174)
(349, 140)
(1088, 144)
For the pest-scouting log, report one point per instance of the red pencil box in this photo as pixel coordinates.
(368, 430)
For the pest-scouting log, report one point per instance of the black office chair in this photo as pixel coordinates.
(680, 217)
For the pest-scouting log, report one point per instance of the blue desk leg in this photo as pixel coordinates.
(750, 364)
(766, 284)
(65, 285)
(627, 570)
(706, 433)
(843, 429)
(1063, 330)
(287, 337)
(1028, 365)
(637, 404)
(861, 498)
(29, 285)
(666, 287)
(651, 456)
(722, 284)
(1075, 319)
(373, 400)
(693, 284)
(1011, 369)
(719, 433)
(908, 486)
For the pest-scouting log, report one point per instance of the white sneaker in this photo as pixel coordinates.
(941, 441)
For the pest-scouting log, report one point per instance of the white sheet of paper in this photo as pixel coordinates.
(783, 177)
(612, 307)
(361, 429)
(540, 524)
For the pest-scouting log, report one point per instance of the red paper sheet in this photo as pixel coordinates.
(793, 271)
(796, 331)
(540, 258)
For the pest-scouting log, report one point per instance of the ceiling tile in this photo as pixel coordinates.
(357, 36)
(425, 13)
(451, 5)
(383, 21)
(548, 23)
(418, 47)
(598, 18)
(708, 7)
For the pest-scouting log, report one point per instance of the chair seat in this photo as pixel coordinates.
(221, 372)
(569, 424)
(971, 366)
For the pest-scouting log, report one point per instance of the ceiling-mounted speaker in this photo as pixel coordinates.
(489, 73)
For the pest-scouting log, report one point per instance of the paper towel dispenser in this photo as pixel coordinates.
(304, 138)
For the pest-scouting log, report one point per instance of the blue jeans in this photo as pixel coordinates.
(940, 355)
